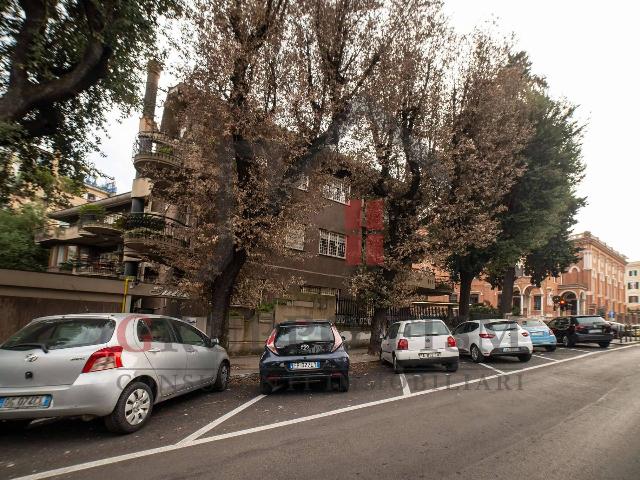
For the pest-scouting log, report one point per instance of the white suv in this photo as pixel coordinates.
(419, 342)
(492, 338)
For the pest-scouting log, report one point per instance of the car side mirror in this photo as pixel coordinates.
(344, 339)
(213, 342)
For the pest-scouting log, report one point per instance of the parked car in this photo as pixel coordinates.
(415, 343)
(618, 329)
(115, 366)
(302, 352)
(493, 338)
(576, 329)
(540, 333)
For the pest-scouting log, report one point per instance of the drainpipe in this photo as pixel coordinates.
(147, 124)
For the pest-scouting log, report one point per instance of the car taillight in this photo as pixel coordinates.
(487, 335)
(337, 339)
(104, 359)
(451, 341)
(551, 333)
(524, 333)
(271, 342)
(403, 344)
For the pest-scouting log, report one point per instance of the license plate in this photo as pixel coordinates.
(429, 355)
(595, 330)
(304, 365)
(537, 334)
(33, 401)
(511, 349)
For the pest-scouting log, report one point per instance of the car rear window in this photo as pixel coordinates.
(423, 329)
(295, 334)
(501, 326)
(591, 321)
(63, 333)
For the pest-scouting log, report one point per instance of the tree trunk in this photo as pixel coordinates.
(220, 291)
(465, 295)
(506, 301)
(377, 328)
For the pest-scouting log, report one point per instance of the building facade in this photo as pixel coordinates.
(632, 286)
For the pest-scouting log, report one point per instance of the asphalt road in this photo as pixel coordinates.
(565, 415)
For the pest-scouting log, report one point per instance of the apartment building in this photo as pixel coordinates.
(632, 286)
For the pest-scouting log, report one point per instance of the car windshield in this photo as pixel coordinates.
(62, 333)
(591, 321)
(532, 323)
(295, 334)
(501, 326)
(423, 329)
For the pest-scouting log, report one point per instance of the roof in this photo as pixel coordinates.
(114, 316)
(115, 201)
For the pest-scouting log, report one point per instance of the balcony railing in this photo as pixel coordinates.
(151, 232)
(154, 149)
(111, 223)
(98, 268)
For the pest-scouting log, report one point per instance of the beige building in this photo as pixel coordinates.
(632, 286)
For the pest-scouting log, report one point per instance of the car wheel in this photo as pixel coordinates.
(13, 426)
(222, 380)
(451, 367)
(567, 341)
(133, 409)
(551, 348)
(476, 354)
(397, 368)
(265, 386)
(524, 358)
(343, 383)
(604, 344)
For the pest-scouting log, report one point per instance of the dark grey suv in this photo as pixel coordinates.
(581, 329)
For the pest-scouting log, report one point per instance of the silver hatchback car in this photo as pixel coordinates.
(116, 366)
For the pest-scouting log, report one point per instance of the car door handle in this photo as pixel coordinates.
(154, 350)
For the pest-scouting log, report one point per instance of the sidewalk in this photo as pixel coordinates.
(248, 364)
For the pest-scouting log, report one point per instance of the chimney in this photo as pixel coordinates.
(151, 91)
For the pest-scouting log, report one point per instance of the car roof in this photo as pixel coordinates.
(305, 322)
(114, 316)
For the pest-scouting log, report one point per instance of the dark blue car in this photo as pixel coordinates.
(302, 352)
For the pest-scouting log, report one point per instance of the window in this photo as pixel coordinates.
(337, 190)
(189, 335)
(629, 285)
(155, 330)
(294, 238)
(474, 298)
(427, 328)
(633, 299)
(537, 302)
(91, 197)
(393, 331)
(62, 333)
(332, 244)
(501, 326)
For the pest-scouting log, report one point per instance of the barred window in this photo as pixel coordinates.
(332, 244)
(294, 238)
(337, 190)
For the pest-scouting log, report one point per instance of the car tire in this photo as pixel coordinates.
(397, 367)
(128, 418)
(13, 426)
(222, 380)
(452, 366)
(265, 387)
(568, 342)
(551, 348)
(604, 344)
(476, 354)
(343, 383)
(524, 358)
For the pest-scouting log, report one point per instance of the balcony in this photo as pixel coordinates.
(52, 235)
(96, 268)
(153, 235)
(102, 224)
(154, 150)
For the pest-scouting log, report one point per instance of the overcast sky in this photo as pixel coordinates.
(588, 52)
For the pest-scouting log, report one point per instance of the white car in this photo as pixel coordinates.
(414, 343)
(492, 338)
(116, 366)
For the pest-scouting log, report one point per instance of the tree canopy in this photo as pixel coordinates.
(19, 250)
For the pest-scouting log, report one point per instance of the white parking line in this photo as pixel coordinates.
(405, 385)
(546, 358)
(578, 350)
(169, 448)
(492, 368)
(197, 434)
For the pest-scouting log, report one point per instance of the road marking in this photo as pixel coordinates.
(546, 358)
(170, 448)
(492, 368)
(197, 434)
(405, 385)
(578, 350)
